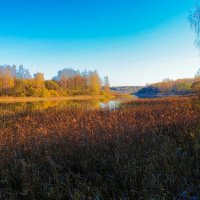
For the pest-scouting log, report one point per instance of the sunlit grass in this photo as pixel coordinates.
(62, 98)
(148, 149)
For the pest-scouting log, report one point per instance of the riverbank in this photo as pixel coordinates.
(33, 99)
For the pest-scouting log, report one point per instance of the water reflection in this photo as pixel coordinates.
(6, 108)
(112, 105)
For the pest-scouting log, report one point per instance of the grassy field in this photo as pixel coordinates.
(148, 149)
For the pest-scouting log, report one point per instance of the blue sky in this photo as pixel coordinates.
(134, 42)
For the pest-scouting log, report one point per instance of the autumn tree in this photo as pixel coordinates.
(94, 83)
(39, 80)
(51, 85)
(23, 81)
(7, 77)
(179, 86)
(76, 82)
(23, 73)
(65, 78)
(17, 81)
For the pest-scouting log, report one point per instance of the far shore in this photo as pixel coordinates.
(118, 96)
(10, 99)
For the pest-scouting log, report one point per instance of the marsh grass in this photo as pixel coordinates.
(149, 149)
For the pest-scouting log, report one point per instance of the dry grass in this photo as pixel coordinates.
(35, 99)
(148, 150)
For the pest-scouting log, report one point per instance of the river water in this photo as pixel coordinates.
(43, 105)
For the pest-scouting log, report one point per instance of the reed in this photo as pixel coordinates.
(148, 149)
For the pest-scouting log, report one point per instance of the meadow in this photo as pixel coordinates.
(146, 149)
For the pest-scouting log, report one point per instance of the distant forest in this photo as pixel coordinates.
(167, 87)
(17, 81)
(171, 87)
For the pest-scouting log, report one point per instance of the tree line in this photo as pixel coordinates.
(172, 87)
(18, 81)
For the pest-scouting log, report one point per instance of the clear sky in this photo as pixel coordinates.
(134, 42)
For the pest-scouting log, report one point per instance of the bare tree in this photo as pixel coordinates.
(195, 23)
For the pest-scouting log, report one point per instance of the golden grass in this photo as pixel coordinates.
(33, 99)
(148, 150)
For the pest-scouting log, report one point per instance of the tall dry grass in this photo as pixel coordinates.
(149, 149)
